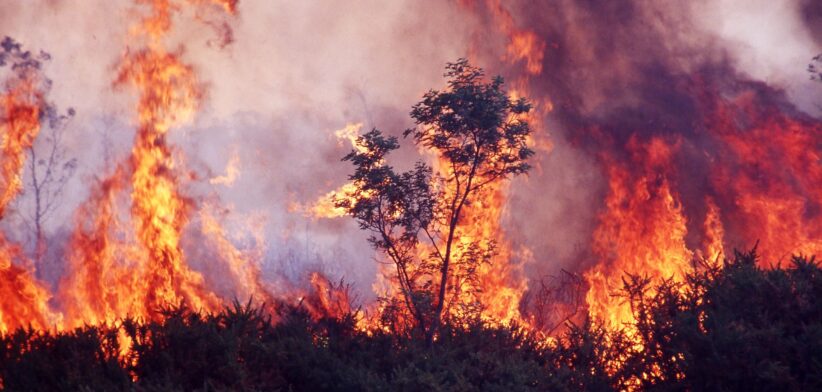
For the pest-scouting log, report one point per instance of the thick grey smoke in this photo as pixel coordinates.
(616, 69)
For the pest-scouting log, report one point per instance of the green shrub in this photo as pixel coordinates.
(729, 327)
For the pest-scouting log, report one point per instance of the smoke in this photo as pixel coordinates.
(617, 70)
(279, 82)
(287, 74)
(771, 41)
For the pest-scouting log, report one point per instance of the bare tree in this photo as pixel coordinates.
(50, 168)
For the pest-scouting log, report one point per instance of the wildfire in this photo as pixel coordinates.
(125, 257)
(523, 44)
(501, 283)
(327, 298)
(496, 285)
(325, 206)
(168, 96)
(243, 266)
(20, 126)
(713, 244)
(765, 177)
(770, 171)
(102, 285)
(350, 133)
(641, 230)
(23, 301)
(120, 271)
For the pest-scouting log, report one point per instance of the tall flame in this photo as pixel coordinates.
(242, 266)
(116, 270)
(99, 288)
(764, 184)
(641, 231)
(168, 96)
(23, 301)
(770, 171)
(501, 284)
(20, 126)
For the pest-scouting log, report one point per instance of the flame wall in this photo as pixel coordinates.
(664, 132)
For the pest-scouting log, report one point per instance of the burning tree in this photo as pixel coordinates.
(48, 168)
(480, 136)
(22, 101)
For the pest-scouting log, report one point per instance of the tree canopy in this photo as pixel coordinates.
(479, 135)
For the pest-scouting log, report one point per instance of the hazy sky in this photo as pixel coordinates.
(298, 70)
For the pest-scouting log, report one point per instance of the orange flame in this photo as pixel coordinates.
(713, 244)
(23, 301)
(243, 266)
(103, 283)
(326, 298)
(20, 126)
(641, 231)
(523, 45)
(770, 171)
(325, 206)
(501, 282)
(117, 271)
(168, 96)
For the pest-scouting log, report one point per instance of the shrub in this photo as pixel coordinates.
(734, 326)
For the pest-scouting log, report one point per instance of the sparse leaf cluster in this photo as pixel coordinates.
(480, 136)
(49, 166)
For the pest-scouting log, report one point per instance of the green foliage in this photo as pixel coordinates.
(479, 135)
(474, 125)
(730, 327)
(82, 359)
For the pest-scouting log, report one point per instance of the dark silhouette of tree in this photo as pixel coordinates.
(479, 135)
(49, 167)
(730, 326)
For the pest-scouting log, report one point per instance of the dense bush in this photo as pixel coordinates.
(732, 327)
(729, 327)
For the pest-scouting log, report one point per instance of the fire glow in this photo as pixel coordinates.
(761, 162)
